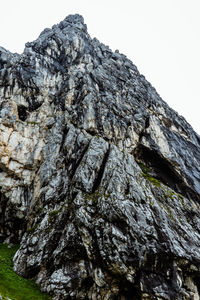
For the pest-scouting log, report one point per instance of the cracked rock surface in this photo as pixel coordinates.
(99, 177)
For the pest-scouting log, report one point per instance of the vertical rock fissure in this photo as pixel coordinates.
(99, 177)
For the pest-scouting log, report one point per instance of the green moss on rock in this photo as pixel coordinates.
(93, 197)
(147, 176)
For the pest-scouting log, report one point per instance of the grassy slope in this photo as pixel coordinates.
(12, 285)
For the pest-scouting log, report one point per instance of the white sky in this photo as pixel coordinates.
(161, 37)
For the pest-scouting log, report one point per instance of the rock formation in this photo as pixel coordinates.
(99, 177)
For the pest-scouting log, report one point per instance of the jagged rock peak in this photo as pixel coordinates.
(72, 21)
(99, 177)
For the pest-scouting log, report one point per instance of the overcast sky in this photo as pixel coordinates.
(161, 37)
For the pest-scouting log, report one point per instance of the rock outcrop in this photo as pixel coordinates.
(99, 177)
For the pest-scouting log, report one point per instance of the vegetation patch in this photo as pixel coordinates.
(53, 214)
(147, 176)
(12, 286)
(32, 229)
(153, 180)
(93, 197)
(144, 168)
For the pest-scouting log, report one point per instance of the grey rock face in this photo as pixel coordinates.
(99, 178)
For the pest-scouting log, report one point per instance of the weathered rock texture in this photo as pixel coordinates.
(99, 178)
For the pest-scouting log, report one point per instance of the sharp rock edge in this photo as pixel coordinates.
(99, 177)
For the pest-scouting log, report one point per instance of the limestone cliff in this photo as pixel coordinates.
(99, 177)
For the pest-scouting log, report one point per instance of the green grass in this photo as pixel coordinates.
(12, 285)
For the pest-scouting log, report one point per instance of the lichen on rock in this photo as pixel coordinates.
(99, 177)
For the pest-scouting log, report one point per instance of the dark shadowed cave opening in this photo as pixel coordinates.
(161, 169)
(22, 112)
